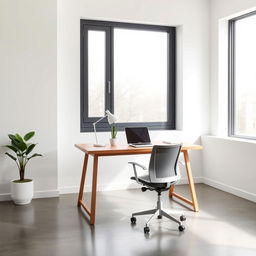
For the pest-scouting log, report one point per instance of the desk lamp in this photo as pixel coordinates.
(111, 119)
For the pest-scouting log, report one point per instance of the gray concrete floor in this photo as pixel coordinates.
(225, 225)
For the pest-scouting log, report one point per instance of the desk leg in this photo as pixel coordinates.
(171, 190)
(191, 181)
(81, 190)
(94, 190)
(172, 194)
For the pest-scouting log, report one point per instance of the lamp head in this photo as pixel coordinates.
(111, 118)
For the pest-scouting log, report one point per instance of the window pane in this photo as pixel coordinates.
(140, 75)
(245, 76)
(96, 73)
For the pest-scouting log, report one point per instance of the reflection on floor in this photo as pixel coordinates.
(225, 225)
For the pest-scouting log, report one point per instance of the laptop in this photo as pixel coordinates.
(138, 137)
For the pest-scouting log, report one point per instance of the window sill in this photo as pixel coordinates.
(105, 127)
(232, 139)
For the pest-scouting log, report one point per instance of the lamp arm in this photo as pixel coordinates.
(99, 120)
(96, 138)
(94, 128)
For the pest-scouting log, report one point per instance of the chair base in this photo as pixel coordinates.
(161, 213)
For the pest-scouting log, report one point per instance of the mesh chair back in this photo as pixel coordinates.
(163, 163)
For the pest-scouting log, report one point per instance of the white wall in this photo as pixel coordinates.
(227, 163)
(192, 21)
(221, 11)
(28, 88)
(28, 66)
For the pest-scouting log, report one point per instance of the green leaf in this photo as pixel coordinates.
(12, 138)
(19, 138)
(29, 135)
(30, 148)
(34, 155)
(11, 156)
(22, 146)
(18, 145)
(13, 148)
(18, 142)
(113, 131)
(15, 142)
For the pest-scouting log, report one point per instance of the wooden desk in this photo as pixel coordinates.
(125, 149)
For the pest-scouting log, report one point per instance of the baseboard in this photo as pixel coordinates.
(119, 186)
(232, 190)
(110, 187)
(5, 197)
(46, 194)
(106, 187)
(37, 194)
(184, 181)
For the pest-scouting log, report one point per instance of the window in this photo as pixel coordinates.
(130, 70)
(242, 76)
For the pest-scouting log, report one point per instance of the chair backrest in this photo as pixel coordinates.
(163, 163)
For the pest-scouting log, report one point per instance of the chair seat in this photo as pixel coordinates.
(145, 180)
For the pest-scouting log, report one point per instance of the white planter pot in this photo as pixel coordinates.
(113, 142)
(22, 193)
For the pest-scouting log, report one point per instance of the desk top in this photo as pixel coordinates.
(125, 149)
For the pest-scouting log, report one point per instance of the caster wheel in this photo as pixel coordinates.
(183, 218)
(181, 228)
(133, 220)
(159, 216)
(146, 230)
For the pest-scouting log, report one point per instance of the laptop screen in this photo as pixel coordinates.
(137, 135)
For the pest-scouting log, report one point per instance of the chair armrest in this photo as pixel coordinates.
(134, 164)
(140, 165)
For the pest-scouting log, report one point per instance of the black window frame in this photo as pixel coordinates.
(85, 121)
(231, 76)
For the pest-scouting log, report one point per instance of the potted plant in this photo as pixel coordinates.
(113, 139)
(21, 189)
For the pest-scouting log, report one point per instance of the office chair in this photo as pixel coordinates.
(162, 174)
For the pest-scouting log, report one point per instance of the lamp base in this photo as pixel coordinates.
(99, 145)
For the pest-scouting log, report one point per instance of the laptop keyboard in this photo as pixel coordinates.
(142, 144)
